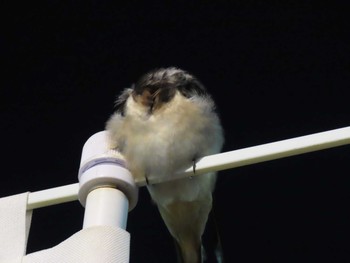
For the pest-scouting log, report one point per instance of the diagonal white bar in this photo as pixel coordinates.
(268, 152)
(217, 162)
(53, 196)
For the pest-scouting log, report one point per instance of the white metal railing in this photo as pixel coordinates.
(217, 162)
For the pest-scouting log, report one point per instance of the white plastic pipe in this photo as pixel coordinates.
(265, 152)
(53, 196)
(106, 187)
(106, 207)
(100, 167)
(217, 162)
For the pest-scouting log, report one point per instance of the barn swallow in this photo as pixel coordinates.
(164, 123)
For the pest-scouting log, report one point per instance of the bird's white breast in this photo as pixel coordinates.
(161, 143)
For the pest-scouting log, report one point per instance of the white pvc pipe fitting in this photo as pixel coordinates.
(106, 187)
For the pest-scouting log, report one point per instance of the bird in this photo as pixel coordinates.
(163, 124)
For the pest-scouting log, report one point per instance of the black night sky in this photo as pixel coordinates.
(276, 71)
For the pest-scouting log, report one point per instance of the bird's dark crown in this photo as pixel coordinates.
(167, 79)
(159, 86)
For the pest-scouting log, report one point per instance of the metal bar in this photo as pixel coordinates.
(217, 162)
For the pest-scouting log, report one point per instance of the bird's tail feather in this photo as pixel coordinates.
(211, 249)
(211, 242)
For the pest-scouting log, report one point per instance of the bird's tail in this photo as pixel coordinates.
(211, 242)
(211, 248)
(180, 254)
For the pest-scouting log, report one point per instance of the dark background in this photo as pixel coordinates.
(276, 71)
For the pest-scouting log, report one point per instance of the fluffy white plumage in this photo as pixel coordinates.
(164, 123)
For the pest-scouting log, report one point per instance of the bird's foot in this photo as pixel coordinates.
(146, 178)
(194, 165)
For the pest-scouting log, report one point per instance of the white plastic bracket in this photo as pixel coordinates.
(106, 188)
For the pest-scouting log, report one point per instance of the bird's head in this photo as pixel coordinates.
(160, 86)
